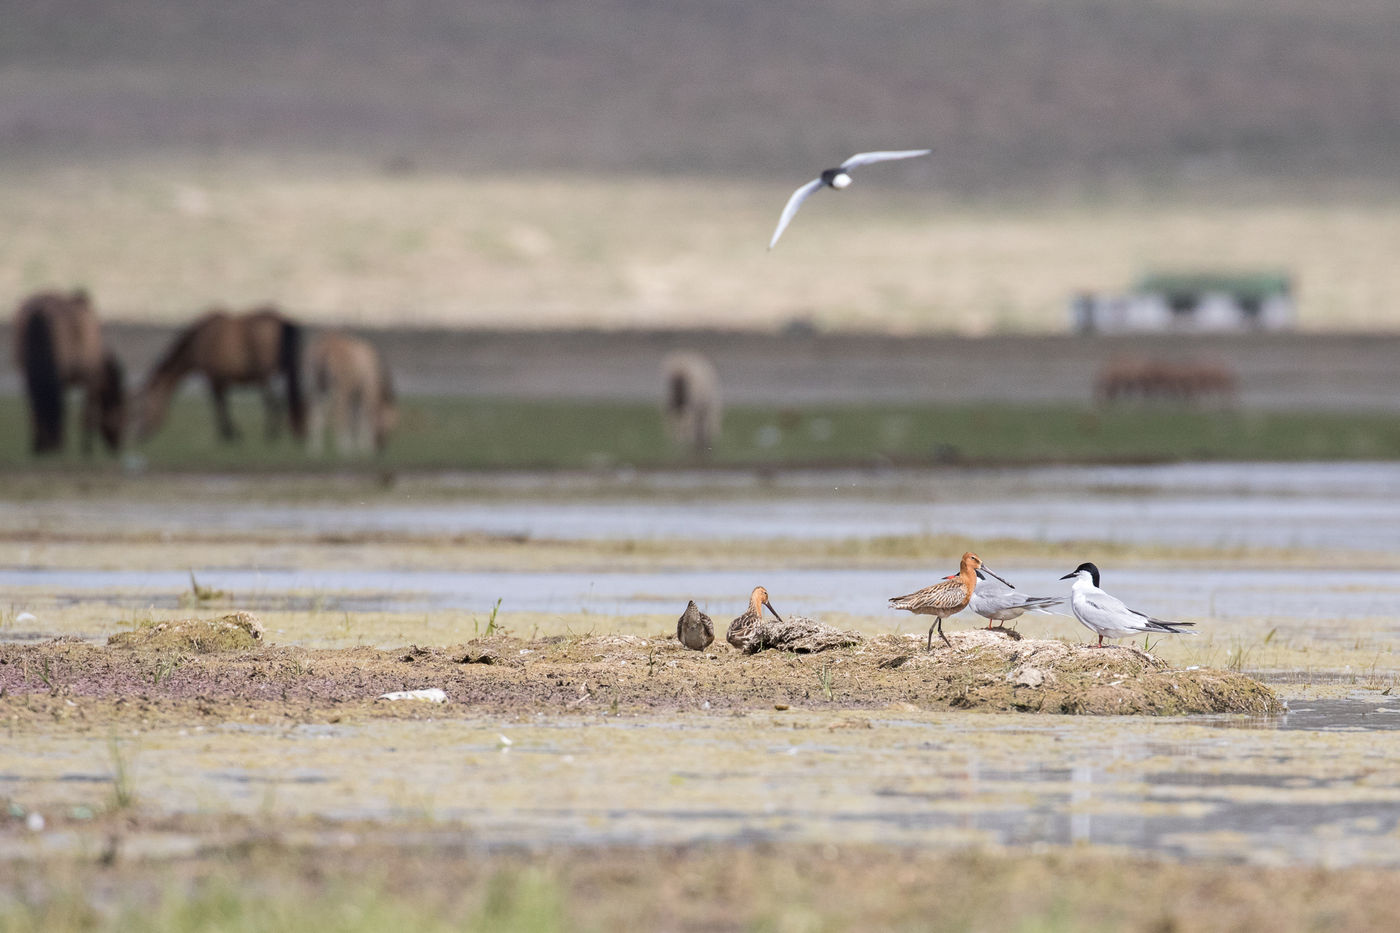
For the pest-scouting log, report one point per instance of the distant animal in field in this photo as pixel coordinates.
(259, 348)
(692, 405)
(836, 179)
(58, 344)
(1130, 378)
(351, 393)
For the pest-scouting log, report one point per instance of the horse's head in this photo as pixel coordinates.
(111, 403)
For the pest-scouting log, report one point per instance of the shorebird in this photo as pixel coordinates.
(694, 629)
(837, 178)
(741, 629)
(1105, 615)
(943, 599)
(998, 600)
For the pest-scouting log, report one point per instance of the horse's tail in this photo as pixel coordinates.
(289, 360)
(42, 382)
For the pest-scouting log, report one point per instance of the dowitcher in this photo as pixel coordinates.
(741, 629)
(694, 629)
(943, 599)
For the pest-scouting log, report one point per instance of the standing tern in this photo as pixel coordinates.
(943, 599)
(998, 601)
(837, 178)
(1106, 615)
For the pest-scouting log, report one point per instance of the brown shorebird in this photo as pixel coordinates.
(741, 629)
(694, 629)
(943, 599)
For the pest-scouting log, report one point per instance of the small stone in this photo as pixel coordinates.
(1027, 677)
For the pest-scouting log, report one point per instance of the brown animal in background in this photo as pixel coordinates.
(1127, 377)
(692, 405)
(349, 378)
(254, 348)
(58, 344)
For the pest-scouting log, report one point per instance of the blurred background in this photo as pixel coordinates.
(1114, 186)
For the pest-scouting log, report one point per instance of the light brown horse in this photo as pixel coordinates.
(351, 383)
(691, 404)
(255, 348)
(58, 344)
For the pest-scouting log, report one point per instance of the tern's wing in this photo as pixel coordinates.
(865, 158)
(793, 204)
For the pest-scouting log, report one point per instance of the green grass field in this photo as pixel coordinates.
(477, 434)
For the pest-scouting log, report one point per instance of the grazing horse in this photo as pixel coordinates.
(58, 344)
(348, 377)
(692, 403)
(254, 348)
(1181, 382)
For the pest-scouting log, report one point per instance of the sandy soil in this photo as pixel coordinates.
(187, 670)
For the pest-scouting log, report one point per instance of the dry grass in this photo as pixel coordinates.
(159, 239)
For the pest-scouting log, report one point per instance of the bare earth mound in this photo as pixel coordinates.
(161, 677)
(233, 632)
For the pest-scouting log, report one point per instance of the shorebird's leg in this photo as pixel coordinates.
(941, 635)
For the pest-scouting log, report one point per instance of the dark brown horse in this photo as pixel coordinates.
(256, 348)
(58, 344)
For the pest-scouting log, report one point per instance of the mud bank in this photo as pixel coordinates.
(616, 673)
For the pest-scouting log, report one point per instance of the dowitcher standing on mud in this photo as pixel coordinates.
(694, 629)
(742, 628)
(1107, 616)
(944, 598)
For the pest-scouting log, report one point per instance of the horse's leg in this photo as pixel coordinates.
(364, 423)
(344, 421)
(218, 390)
(91, 412)
(316, 424)
(273, 407)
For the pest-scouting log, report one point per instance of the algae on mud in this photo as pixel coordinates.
(982, 670)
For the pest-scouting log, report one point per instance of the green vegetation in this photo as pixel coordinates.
(472, 434)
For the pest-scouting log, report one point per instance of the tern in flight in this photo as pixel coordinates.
(837, 178)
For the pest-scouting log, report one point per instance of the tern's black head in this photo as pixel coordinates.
(1093, 572)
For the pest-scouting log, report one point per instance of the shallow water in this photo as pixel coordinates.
(943, 780)
(1212, 595)
(1323, 507)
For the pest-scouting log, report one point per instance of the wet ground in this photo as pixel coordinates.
(585, 757)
